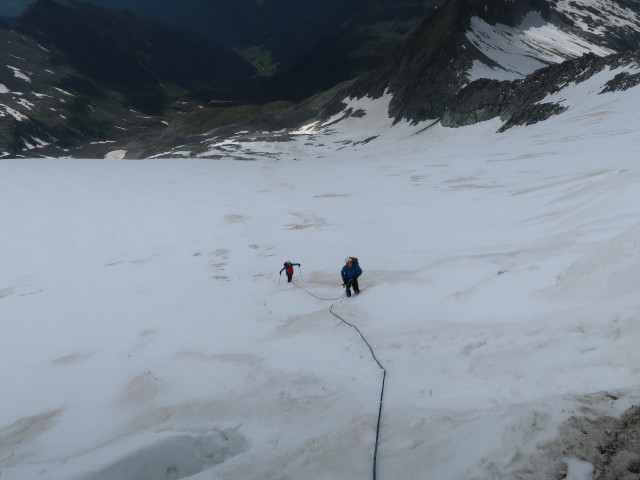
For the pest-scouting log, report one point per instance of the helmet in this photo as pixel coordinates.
(287, 263)
(347, 260)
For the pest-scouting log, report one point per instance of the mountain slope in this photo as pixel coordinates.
(283, 27)
(469, 62)
(152, 68)
(285, 30)
(48, 106)
(359, 37)
(470, 39)
(148, 63)
(462, 67)
(527, 101)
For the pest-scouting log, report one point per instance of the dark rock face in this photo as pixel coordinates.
(426, 70)
(530, 114)
(34, 108)
(48, 107)
(622, 81)
(430, 68)
(479, 101)
(518, 102)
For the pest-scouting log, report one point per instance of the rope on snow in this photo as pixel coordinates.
(384, 372)
(384, 376)
(319, 298)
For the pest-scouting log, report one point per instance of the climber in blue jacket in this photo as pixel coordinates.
(350, 273)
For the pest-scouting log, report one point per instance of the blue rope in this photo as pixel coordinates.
(384, 376)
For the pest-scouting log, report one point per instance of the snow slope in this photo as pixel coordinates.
(520, 51)
(600, 17)
(145, 332)
(515, 52)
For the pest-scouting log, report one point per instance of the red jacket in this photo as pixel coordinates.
(289, 268)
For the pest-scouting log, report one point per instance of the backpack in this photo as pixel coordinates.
(354, 260)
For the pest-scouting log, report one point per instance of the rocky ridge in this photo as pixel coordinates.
(473, 38)
(521, 102)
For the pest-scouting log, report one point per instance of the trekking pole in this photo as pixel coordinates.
(300, 268)
(279, 278)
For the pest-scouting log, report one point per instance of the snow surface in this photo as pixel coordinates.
(146, 334)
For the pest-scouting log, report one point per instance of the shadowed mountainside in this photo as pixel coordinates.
(148, 63)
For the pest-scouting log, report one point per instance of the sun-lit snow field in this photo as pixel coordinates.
(145, 332)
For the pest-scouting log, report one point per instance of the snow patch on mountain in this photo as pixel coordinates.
(376, 111)
(18, 74)
(14, 113)
(26, 103)
(34, 142)
(116, 155)
(306, 129)
(64, 92)
(519, 51)
(597, 16)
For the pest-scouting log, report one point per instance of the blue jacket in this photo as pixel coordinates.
(349, 274)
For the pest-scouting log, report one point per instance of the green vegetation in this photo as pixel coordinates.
(378, 48)
(193, 120)
(260, 58)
